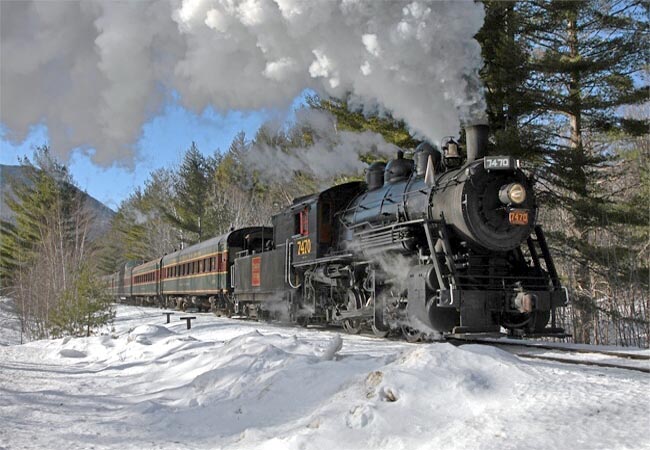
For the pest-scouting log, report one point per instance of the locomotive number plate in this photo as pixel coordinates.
(304, 247)
(518, 217)
(498, 163)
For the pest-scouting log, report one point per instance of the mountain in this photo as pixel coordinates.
(18, 174)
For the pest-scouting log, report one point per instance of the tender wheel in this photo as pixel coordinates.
(379, 332)
(352, 326)
(411, 334)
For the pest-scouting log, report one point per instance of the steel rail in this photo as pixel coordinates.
(543, 346)
(583, 362)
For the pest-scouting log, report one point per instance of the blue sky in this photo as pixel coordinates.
(163, 141)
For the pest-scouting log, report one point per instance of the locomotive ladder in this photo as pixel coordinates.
(539, 243)
(446, 253)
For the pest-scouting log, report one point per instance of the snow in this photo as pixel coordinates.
(246, 385)
(9, 323)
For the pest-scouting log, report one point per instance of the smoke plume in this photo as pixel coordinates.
(94, 72)
(332, 153)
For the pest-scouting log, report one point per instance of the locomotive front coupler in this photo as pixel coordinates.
(524, 302)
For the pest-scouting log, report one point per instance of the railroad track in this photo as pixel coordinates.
(532, 346)
(557, 353)
(584, 362)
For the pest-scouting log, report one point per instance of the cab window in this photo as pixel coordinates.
(301, 223)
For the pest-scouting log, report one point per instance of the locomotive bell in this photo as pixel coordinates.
(452, 150)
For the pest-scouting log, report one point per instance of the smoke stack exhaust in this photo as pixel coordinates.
(476, 139)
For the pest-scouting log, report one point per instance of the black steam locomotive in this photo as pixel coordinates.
(432, 245)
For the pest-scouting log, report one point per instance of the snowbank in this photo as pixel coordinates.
(243, 385)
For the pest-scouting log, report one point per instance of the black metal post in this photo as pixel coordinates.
(189, 321)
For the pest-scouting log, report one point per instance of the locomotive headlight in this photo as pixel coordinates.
(512, 193)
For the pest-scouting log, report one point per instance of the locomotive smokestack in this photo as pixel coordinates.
(476, 138)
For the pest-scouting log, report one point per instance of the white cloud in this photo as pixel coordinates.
(94, 72)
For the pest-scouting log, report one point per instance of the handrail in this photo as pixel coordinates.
(372, 227)
(286, 261)
(287, 266)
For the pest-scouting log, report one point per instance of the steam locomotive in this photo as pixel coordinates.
(431, 246)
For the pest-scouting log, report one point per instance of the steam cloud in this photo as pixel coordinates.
(95, 72)
(332, 153)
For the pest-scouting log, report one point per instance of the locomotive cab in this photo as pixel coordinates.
(258, 240)
(310, 225)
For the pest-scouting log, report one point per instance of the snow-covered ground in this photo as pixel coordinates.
(245, 385)
(9, 323)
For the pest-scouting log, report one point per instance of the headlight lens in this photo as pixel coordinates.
(512, 193)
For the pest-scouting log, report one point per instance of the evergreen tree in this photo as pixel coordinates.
(189, 202)
(558, 75)
(83, 307)
(584, 60)
(393, 131)
(141, 231)
(506, 76)
(46, 254)
(47, 186)
(232, 184)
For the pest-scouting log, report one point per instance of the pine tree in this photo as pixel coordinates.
(393, 131)
(32, 203)
(584, 59)
(141, 230)
(83, 307)
(46, 254)
(189, 203)
(506, 76)
(558, 75)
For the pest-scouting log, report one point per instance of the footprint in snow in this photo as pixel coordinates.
(359, 417)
